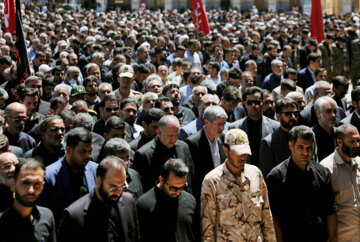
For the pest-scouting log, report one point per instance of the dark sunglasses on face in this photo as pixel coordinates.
(290, 113)
(109, 109)
(269, 102)
(168, 109)
(175, 189)
(253, 102)
(55, 129)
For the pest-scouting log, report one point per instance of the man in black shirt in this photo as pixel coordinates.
(107, 213)
(166, 212)
(24, 221)
(301, 197)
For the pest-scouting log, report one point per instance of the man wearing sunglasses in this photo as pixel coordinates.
(50, 149)
(109, 106)
(107, 213)
(256, 125)
(274, 147)
(166, 212)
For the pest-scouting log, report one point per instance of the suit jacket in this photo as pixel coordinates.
(149, 160)
(308, 116)
(268, 126)
(57, 193)
(191, 128)
(202, 158)
(274, 149)
(352, 119)
(305, 79)
(79, 224)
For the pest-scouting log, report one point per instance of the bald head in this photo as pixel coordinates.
(15, 117)
(168, 131)
(7, 168)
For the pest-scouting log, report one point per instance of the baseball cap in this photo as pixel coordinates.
(44, 68)
(238, 141)
(76, 90)
(126, 71)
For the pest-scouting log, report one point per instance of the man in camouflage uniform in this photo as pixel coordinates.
(354, 60)
(326, 47)
(234, 201)
(339, 60)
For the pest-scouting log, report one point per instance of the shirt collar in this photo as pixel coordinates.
(340, 161)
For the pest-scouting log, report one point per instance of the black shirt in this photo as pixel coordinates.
(78, 181)
(22, 140)
(254, 139)
(13, 227)
(301, 201)
(6, 197)
(99, 127)
(325, 144)
(41, 154)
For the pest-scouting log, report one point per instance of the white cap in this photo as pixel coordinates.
(44, 68)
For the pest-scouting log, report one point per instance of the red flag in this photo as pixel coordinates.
(9, 16)
(200, 18)
(317, 25)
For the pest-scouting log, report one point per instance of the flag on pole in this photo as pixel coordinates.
(200, 18)
(23, 66)
(317, 25)
(9, 16)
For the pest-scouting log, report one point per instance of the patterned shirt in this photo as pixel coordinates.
(235, 209)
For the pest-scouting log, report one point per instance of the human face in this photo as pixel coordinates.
(54, 135)
(31, 103)
(73, 59)
(340, 91)
(174, 94)
(149, 103)
(317, 63)
(287, 122)
(218, 52)
(301, 151)
(163, 71)
(235, 163)
(17, 120)
(234, 82)
(253, 69)
(168, 135)
(80, 155)
(111, 108)
(129, 113)
(300, 103)
(104, 91)
(173, 186)
(125, 82)
(322, 76)
(48, 90)
(206, 101)
(112, 186)
(155, 86)
(126, 157)
(277, 69)
(269, 107)
(254, 109)
(327, 118)
(95, 72)
(247, 81)
(115, 133)
(215, 128)
(59, 76)
(199, 92)
(229, 106)
(62, 92)
(36, 84)
(351, 143)
(7, 167)
(325, 91)
(150, 129)
(28, 186)
(92, 88)
(167, 108)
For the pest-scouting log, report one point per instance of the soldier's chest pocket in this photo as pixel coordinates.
(256, 206)
(229, 206)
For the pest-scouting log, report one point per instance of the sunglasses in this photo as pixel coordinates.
(55, 129)
(110, 109)
(253, 102)
(269, 102)
(290, 113)
(168, 109)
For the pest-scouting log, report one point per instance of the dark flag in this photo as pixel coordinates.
(23, 66)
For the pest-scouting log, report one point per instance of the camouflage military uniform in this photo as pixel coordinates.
(354, 61)
(339, 60)
(327, 58)
(235, 209)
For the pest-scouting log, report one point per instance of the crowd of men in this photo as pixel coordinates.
(134, 126)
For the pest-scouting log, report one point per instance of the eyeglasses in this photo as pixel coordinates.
(19, 120)
(176, 189)
(253, 102)
(248, 80)
(198, 93)
(110, 109)
(291, 113)
(330, 94)
(7, 166)
(150, 101)
(56, 129)
(168, 109)
(117, 189)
